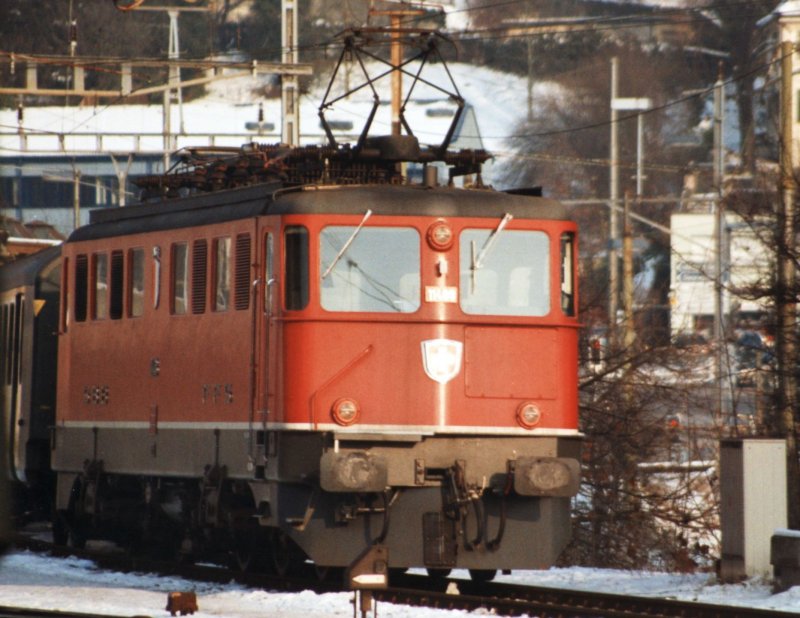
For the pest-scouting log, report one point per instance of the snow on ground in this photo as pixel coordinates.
(71, 584)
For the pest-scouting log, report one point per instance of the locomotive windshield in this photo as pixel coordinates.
(512, 279)
(378, 271)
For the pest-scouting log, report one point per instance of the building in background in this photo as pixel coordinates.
(746, 269)
(18, 239)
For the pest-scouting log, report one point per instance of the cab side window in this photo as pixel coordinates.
(296, 267)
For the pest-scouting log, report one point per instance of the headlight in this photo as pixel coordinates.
(528, 414)
(440, 236)
(546, 476)
(345, 411)
(353, 471)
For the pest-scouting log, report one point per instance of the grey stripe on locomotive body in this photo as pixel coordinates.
(274, 199)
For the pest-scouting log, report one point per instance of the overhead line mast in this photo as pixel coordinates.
(395, 16)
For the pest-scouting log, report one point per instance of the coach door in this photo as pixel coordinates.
(265, 348)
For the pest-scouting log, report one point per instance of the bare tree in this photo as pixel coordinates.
(735, 30)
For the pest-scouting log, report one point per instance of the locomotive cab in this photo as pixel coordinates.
(431, 341)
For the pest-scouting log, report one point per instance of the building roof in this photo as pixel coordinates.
(18, 239)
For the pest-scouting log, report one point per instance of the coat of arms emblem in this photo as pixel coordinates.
(441, 359)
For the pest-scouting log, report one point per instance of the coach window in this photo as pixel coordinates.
(370, 269)
(505, 272)
(296, 267)
(222, 282)
(179, 261)
(81, 287)
(568, 273)
(100, 283)
(15, 338)
(5, 348)
(116, 285)
(135, 282)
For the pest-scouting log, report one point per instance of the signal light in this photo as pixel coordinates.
(345, 411)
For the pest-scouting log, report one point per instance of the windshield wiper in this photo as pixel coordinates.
(477, 261)
(487, 246)
(346, 245)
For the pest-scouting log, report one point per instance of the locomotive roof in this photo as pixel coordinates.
(274, 198)
(24, 271)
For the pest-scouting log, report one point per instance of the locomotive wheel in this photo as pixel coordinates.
(329, 573)
(60, 529)
(67, 532)
(69, 529)
(482, 575)
(438, 573)
(243, 557)
(286, 556)
(248, 547)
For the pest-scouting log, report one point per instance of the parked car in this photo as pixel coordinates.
(752, 354)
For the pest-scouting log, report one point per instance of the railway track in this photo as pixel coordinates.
(417, 590)
(517, 600)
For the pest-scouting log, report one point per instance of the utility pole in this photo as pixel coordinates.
(530, 78)
(174, 53)
(629, 336)
(290, 85)
(122, 178)
(613, 198)
(786, 336)
(719, 228)
(76, 198)
(397, 76)
(395, 25)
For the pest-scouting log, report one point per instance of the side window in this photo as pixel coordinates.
(17, 318)
(64, 294)
(242, 272)
(269, 272)
(568, 273)
(117, 285)
(4, 342)
(135, 282)
(81, 287)
(199, 275)
(100, 289)
(296, 267)
(222, 282)
(179, 264)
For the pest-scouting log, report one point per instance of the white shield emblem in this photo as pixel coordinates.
(441, 359)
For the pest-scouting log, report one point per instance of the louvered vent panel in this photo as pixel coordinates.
(242, 274)
(199, 275)
(81, 287)
(117, 270)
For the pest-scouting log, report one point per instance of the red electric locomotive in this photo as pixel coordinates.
(293, 353)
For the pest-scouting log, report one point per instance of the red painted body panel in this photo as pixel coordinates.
(380, 365)
(376, 358)
(314, 356)
(107, 366)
